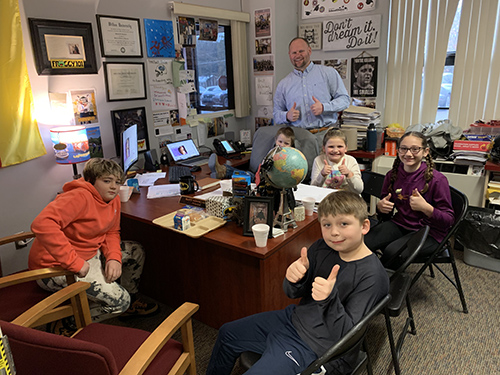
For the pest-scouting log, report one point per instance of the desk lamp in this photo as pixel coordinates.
(71, 146)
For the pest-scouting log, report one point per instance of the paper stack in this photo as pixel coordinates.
(359, 118)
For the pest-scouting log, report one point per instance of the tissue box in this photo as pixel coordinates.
(216, 206)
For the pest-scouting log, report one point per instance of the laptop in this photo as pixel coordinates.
(186, 153)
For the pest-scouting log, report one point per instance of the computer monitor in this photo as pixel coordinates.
(129, 148)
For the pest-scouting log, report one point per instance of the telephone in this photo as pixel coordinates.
(224, 148)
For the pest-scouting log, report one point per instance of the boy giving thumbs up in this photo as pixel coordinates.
(338, 280)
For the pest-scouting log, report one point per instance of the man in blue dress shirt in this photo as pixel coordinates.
(311, 95)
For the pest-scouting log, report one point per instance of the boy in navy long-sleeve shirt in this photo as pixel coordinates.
(338, 280)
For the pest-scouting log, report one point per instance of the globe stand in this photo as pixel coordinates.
(284, 217)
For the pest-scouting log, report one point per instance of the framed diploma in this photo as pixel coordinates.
(124, 81)
(119, 36)
(62, 47)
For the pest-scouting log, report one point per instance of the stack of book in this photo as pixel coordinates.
(470, 152)
(359, 118)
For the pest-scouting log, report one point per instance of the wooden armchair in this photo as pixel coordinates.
(99, 348)
(22, 291)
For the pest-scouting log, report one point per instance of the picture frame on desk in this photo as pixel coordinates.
(123, 118)
(257, 210)
(62, 47)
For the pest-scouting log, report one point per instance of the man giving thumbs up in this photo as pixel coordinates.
(311, 95)
(338, 280)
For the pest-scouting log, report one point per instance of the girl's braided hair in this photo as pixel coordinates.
(428, 161)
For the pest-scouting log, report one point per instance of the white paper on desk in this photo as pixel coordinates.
(162, 191)
(214, 193)
(316, 192)
(149, 179)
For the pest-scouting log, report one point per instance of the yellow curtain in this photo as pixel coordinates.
(20, 138)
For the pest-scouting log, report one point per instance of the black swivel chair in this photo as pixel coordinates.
(444, 252)
(400, 285)
(354, 340)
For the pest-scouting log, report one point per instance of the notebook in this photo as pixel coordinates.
(186, 153)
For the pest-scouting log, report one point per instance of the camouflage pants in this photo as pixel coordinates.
(107, 299)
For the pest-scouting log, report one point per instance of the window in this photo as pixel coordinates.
(447, 79)
(212, 62)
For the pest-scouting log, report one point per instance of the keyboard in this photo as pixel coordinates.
(175, 172)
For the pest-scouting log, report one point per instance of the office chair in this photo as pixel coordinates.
(352, 341)
(399, 287)
(99, 348)
(444, 252)
(21, 289)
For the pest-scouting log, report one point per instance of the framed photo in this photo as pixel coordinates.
(119, 36)
(123, 118)
(62, 47)
(257, 210)
(312, 33)
(124, 81)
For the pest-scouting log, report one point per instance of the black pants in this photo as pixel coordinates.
(390, 237)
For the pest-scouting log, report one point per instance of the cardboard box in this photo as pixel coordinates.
(471, 146)
(390, 148)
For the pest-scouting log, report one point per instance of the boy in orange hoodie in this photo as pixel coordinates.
(80, 231)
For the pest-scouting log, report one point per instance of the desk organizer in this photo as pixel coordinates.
(197, 229)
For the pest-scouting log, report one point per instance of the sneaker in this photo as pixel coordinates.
(63, 327)
(217, 170)
(139, 307)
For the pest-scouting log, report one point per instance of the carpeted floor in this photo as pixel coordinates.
(447, 341)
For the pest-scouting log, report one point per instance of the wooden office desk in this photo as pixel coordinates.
(222, 271)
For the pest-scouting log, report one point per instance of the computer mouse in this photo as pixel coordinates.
(196, 168)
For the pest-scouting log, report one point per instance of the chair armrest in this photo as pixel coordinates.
(158, 338)
(32, 275)
(30, 317)
(16, 237)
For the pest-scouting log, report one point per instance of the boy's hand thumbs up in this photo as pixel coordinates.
(322, 288)
(296, 271)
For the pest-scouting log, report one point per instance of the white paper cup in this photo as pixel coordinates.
(260, 233)
(308, 203)
(125, 193)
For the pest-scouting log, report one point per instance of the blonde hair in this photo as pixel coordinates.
(334, 133)
(97, 167)
(343, 202)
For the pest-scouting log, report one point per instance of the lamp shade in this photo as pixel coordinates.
(70, 144)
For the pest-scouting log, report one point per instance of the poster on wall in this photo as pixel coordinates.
(163, 97)
(351, 33)
(159, 71)
(316, 8)
(312, 33)
(95, 141)
(159, 38)
(264, 90)
(262, 22)
(263, 46)
(84, 107)
(364, 76)
(187, 31)
(208, 29)
(263, 64)
(340, 65)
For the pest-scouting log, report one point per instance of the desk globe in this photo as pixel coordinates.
(284, 168)
(289, 167)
